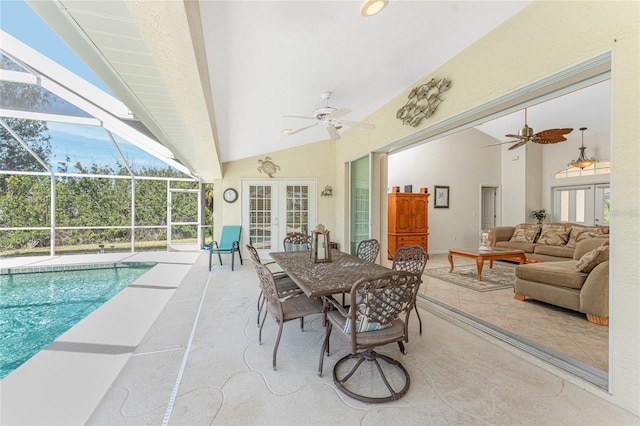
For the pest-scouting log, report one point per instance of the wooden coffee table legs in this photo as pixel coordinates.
(517, 256)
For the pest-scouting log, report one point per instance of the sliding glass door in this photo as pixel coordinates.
(360, 202)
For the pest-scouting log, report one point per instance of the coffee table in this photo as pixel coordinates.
(491, 254)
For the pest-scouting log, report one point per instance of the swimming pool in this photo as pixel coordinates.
(37, 305)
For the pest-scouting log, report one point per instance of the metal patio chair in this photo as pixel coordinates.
(368, 250)
(283, 282)
(229, 243)
(283, 306)
(378, 315)
(411, 259)
(297, 241)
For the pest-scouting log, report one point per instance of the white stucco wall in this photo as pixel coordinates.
(460, 162)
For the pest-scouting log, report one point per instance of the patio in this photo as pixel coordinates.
(200, 363)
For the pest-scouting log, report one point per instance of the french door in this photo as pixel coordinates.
(584, 204)
(274, 208)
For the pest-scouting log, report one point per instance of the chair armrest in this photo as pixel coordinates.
(235, 246)
(338, 306)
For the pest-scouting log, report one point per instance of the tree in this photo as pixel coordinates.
(24, 97)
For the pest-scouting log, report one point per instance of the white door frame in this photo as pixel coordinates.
(278, 210)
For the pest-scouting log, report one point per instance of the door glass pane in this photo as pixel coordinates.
(260, 216)
(297, 213)
(564, 206)
(580, 205)
(359, 203)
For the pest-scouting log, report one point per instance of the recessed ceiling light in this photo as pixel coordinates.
(371, 7)
(286, 131)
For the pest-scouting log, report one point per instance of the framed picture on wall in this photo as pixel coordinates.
(441, 197)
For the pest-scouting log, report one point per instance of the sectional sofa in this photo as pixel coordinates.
(547, 242)
(573, 268)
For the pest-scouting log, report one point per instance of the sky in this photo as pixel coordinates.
(86, 144)
(19, 20)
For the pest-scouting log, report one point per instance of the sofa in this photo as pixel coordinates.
(549, 242)
(580, 284)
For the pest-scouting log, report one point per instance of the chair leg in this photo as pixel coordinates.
(275, 348)
(240, 254)
(325, 348)
(301, 323)
(232, 259)
(402, 349)
(220, 258)
(262, 325)
(419, 320)
(210, 254)
(261, 301)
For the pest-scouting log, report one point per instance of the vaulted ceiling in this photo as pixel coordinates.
(213, 79)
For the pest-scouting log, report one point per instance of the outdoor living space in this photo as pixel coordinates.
(200, 363)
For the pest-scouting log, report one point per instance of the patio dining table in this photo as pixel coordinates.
(325, 278)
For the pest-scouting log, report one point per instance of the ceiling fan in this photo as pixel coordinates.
(329, 117)
(526, 134)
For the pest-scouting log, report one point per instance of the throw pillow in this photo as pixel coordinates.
(553, 235)
(579, 233)
(593, 258)
(525, 233)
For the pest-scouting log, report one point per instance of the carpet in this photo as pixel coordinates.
(496, 278)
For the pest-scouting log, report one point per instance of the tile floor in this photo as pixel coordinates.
(563, 330)
(200, 363)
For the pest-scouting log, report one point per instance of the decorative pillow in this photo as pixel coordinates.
(525, 233)
(593, 258)
(579, 233)
(296, 247)
(553, 235)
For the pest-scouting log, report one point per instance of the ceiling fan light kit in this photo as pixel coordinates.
(372, 7)
(329, 117)
(582, 161)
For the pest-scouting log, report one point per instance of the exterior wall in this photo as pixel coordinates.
(310, 161)
(492, 67)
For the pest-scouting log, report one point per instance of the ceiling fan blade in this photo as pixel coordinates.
(339, 112)
(515, 136)
(300, 116)
(499, 143)
(359, 124)
(550, 136)
(293, 132)
(333, 133)
(518, 144)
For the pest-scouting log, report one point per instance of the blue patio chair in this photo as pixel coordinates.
(229, 243)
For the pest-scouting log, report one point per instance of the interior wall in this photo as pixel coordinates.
(460, 162)
(492, 67)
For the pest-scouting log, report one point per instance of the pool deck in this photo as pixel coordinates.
(81, 365)
(181, 347)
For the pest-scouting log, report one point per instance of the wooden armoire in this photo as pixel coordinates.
(408, 220)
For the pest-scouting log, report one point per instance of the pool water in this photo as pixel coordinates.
(38, 307)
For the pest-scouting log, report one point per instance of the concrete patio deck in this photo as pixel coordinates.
(199, 362)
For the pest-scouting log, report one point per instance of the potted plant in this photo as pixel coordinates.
(539, 215)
